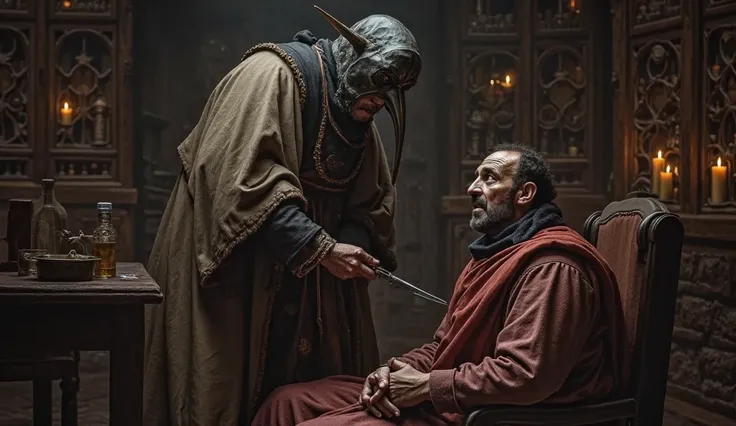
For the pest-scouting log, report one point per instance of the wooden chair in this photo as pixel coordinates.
(642, 242)
(42, 371)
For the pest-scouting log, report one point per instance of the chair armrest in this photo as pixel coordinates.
(564, 415)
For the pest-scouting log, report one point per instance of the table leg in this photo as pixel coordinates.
(126, 368)
(42, 402)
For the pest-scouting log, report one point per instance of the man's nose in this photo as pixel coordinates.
(474, 189)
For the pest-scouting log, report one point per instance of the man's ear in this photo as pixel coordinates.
(526, 194)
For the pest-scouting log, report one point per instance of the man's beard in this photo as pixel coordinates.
(493, 218)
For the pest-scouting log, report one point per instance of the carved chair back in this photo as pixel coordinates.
(642, 242)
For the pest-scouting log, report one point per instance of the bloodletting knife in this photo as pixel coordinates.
(401, 284)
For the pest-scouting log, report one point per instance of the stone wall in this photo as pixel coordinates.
(702, 376)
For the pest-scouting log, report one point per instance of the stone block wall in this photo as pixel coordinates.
(702, 373)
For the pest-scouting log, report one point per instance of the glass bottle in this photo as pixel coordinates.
(103, 242)
(49, 220)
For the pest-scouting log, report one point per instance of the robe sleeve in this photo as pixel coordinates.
(548, 321)
(293, 239)
(368, 219)
(242, 160)
(286, 232)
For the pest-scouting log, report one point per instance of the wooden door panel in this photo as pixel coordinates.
(547, 50)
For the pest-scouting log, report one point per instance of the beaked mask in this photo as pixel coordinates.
(378, 56)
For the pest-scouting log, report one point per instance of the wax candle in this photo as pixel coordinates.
(507, 81)
(66, 115)
(718, 183)
(657, 167)
(665, 185)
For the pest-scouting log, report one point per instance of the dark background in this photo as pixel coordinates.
(182, 48)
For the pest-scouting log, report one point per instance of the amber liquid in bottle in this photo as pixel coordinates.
(105, 267)
(103, 243)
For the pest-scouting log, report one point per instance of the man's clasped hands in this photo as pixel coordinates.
(394, 386)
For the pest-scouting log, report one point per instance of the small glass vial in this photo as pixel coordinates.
(103, 242)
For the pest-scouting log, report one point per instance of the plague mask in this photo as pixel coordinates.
(378, 56)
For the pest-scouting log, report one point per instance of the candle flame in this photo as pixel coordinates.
(492, 82)
(66, 105)
(719, 162)
(659, 154)
(668, 168)
(508, 79)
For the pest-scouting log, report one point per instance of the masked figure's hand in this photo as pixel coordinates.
(347, 261)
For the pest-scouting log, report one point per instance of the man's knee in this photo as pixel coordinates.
(287, 393)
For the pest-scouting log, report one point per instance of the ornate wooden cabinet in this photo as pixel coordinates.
(675, 66)
(536, 72)
(65, 107)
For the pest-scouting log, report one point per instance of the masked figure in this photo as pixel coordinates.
(284, 204)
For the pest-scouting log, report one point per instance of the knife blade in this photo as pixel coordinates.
(399, 283)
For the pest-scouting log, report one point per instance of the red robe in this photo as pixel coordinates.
(540, 321)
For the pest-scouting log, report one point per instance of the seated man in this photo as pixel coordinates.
(535, 317)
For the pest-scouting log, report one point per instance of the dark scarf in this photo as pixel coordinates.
(535, 220)
(351, 129)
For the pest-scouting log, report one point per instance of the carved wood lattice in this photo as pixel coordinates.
(73, 52)
(490, 106)
(657, 109)
(720, 105)
(526, 73)
(16, 94)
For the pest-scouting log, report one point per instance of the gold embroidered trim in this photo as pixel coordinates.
(321, 136)
(275, 48)
(334, 125)
(247, 229)
(324, 244)
(278, 273)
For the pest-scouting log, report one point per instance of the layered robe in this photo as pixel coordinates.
(535, 317)
(272, 175)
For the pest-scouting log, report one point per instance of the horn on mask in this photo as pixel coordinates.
(358, 42)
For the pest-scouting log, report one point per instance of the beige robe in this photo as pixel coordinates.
(205, 343)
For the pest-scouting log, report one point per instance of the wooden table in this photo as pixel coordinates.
(101, 315)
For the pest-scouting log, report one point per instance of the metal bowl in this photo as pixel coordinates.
(65, 267)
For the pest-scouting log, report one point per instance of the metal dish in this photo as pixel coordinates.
(65, 267)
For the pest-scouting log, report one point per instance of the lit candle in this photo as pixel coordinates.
(657, 166)
(665, 184)
(507, 82)
(66, 115)
(718, 183)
